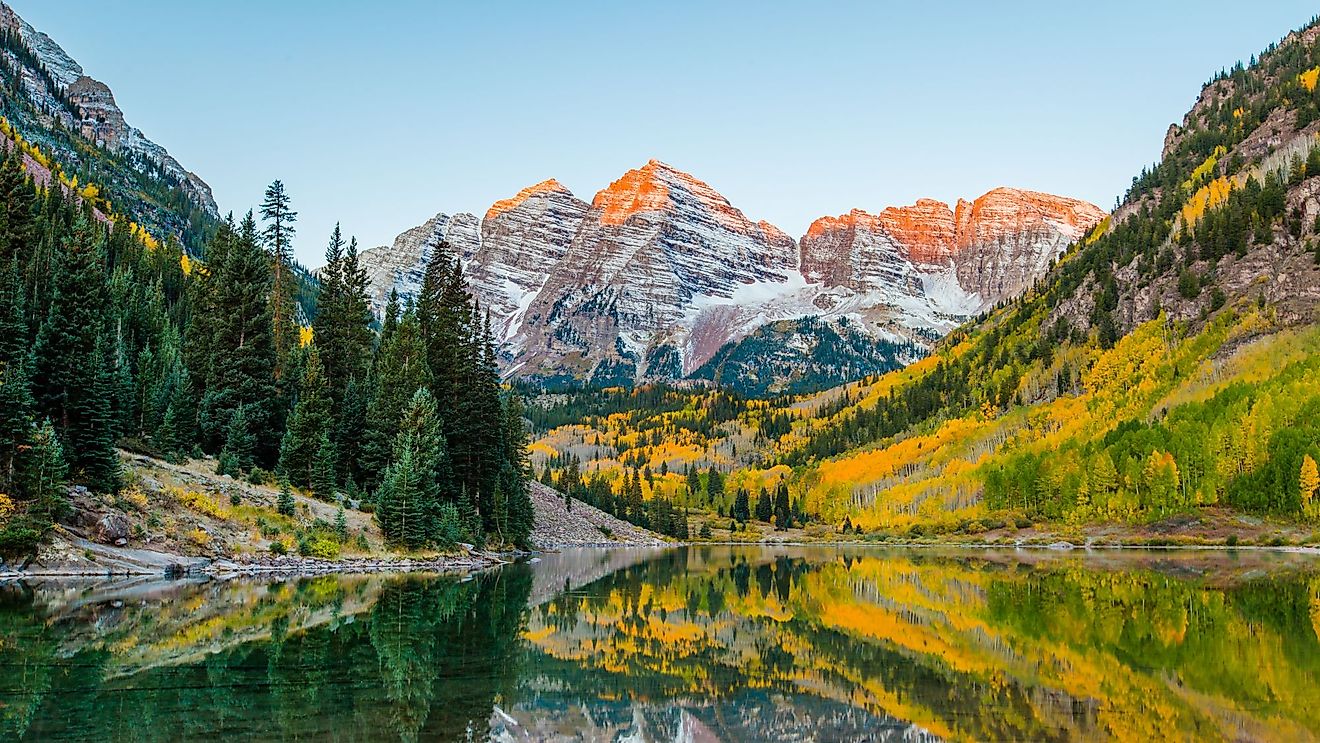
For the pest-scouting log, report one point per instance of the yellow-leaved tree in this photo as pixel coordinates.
(1310, 483)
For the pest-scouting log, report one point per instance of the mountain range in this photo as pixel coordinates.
(659, 277)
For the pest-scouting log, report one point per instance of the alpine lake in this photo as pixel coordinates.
(701, 643)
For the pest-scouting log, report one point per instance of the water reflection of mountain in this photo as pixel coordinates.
(998, 646)
(696, 644)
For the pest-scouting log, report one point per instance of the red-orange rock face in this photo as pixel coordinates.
(997, 244)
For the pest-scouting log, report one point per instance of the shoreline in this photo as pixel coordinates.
(181, 567)
(176, 567)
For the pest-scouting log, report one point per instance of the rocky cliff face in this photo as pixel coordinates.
(63, 102)
(655, 245)
(660, 277)
(994, 246)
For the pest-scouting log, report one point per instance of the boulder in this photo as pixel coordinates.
(111, 528)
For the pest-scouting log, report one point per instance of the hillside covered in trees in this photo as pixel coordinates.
(114, 338)
(1167, 363)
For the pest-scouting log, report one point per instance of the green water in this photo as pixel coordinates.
(700, 644)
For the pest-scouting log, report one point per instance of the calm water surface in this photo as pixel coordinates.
(697, 644)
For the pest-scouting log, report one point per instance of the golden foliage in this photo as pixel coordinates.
(1210, 195)
(1308, 483)
(199, 537)
(1308, 79)
(304, 336)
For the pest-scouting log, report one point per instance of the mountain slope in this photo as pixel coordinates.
(661, 278)
(49, 100)
(1169, 363)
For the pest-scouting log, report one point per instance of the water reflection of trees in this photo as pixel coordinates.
(966, 648)
(425, 661)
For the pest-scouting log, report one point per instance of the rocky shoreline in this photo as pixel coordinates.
(80, 558)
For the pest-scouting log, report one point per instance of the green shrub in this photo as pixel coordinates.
(278, 548)
(319, 546)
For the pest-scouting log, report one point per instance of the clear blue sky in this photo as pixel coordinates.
(380, 114)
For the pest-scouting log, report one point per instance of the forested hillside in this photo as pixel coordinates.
(1169, 362)
(113, 338)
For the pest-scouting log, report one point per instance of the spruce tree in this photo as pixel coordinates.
(343, 317)
(783, 514)
(408, 501)
(17, 405)
(400, 371)
(341, 525)
(236, 456)
(278, 237)
(242, 372)
(309, 424)
(323, 469)
(764, 507)
(284, 504)
(740, 506)
(42, 471)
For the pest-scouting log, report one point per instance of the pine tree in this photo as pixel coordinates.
(741, 510)
(309, 424)
(408, 501)
(783, 514)
(323, 469)
(278, 236)
(284, 504)
(764, 508)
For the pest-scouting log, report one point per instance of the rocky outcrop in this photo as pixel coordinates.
(61, 93)
(660, 276)
(557, 525)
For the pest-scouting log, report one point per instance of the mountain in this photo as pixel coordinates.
(1165, 371)
(661, 277)
(50, 101)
